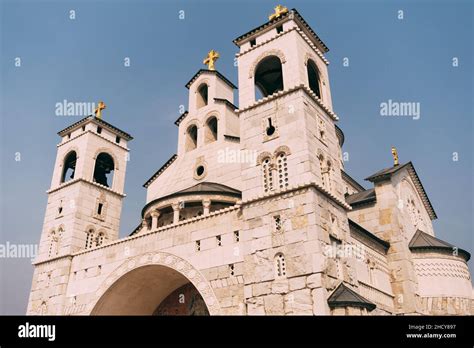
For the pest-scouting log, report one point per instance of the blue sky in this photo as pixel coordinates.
(80, 60)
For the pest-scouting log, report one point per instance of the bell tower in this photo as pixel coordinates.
(86, 193)
(286, 108)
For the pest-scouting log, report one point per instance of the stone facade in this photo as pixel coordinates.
(253, 215)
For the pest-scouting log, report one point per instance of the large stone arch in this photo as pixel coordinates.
(175, 264)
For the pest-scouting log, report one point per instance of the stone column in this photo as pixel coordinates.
(176, 210)
(206, 204)
(154, 219)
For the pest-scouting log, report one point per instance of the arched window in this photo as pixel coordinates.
(191, 138)
(59, 239)
(268, 77)
(90, 238)
(211, 130)
(100, 239)
(69, 167)
(53, 244)
(280, 266)
(104, 169)
(282, 167)
(326, 171)
(202, 95)
(267, 175)
(313, 77)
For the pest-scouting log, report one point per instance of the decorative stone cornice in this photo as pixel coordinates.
(97, 135)
(276, 95)
(161, 170)
(73, 181)
(139, 234)
(298, 187)
(299, 31)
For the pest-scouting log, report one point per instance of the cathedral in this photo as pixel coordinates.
(274, 227)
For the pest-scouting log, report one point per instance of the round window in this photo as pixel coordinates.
(200, 170)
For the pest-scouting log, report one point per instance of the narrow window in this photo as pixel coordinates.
(313, 77)
(202, 95)
(231, 269)
(219, 240)
(69, 135)
(277, 223)
(99, 208)
(52, 244)
(99, 130)
(282, 167)
(321, 130)
(191, 138)
(100, 239)
(89, 238)
(253, 42)
(236, 236)
(83, 128)
(211, 130)
(267, 175)
(279, 29)
(117, 139)
(280, 265)
(270, 128)
(198, 245)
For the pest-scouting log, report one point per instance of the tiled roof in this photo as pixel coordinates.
(356, 228)
(386, 174)
(98, 121)
(207, 71)
(290, 14)
(346, 297)
(201, 188)
(226, 102)
(349, 178)
(161, 170)
(422, 240)
(210, 187)
(363, 197)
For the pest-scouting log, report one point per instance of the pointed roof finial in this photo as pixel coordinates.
(279, 10)
(395, 156)
(98, 110)
(211, 58)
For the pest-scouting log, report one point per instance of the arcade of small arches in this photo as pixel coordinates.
(269, 78)
(103, 169)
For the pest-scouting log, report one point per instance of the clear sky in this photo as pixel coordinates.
(82, 60)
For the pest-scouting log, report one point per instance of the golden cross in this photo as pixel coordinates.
(212, 56)
(98, 110)
(279, 10)
(395, 156)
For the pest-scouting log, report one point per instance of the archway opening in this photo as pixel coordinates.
(104, 169)
(268, 77)
(69, 167)
(313, 77)
(202, 95)
(151, 290)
